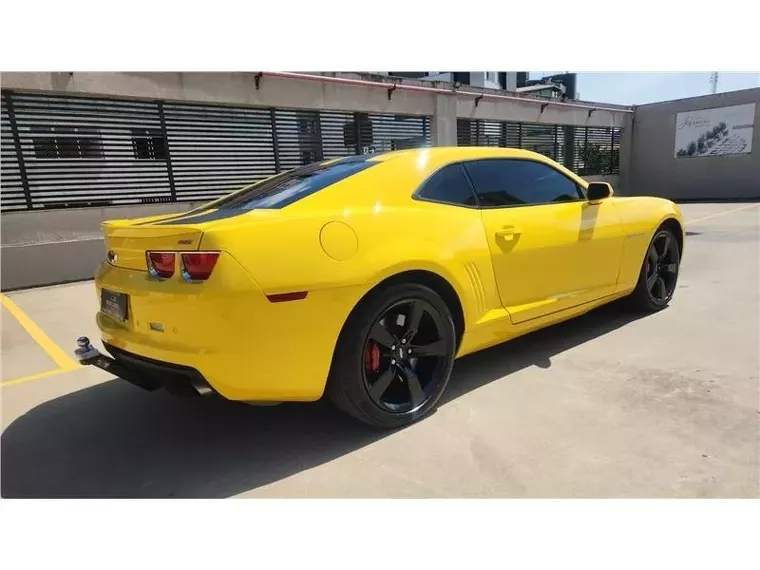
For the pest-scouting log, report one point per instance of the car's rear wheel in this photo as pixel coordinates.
(659, 273)
(394, 356)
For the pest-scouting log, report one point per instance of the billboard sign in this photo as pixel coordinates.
(715, 132)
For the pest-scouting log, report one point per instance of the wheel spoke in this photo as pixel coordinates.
(437, 348)
(661, 289)
(381, 384)
(665, 246)
(381, 335)
(652, 279)
(413, 319)
(415, 388)
(670, 268)
(653, 256)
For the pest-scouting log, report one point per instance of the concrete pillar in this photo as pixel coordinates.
(444, 127)
(626, 150)
(511, 80)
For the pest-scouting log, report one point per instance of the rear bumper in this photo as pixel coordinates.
(175, 379)
(224, 336)
(145, 373)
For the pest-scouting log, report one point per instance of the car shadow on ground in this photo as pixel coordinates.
(114, 440)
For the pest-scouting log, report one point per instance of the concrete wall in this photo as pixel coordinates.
(653, 170)
(529, 112)
(626, 142)
(54, 246)
(240, 89)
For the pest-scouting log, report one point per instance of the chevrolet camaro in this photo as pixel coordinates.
(364, 278)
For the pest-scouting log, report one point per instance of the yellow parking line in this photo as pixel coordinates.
(721, 214)
(34, 377)
(63, 360)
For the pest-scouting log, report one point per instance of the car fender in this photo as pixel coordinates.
(472, 280)
(640, 216)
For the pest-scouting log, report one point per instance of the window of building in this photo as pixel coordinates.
(90, 146)
(45, 147)
(66, 142)
(450, 186)
(361, 125)
(310, 156)
(148, 144)
(309, 137)
(504, 182)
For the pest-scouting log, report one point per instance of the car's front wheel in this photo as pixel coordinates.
(659, 273)
(394, 356)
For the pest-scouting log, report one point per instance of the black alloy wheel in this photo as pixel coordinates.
(662, 267)
(659, 273)
(394, 356)
(404, 355)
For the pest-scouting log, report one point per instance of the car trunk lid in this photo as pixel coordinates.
(128, 241)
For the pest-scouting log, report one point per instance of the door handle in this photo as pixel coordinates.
(508, 233)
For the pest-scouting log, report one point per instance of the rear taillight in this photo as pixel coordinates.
(198, 265)
(161, 263)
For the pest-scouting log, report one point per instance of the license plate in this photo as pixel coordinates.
(114, 304)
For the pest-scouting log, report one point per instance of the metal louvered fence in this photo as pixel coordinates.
(64, 151)
(584, 150)
(60, 152)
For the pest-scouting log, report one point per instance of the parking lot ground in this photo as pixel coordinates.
(21, 356)
(606, 405)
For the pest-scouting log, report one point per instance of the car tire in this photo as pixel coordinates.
(658, 276)
(369, 380)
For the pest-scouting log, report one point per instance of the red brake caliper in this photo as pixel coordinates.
(372, 357)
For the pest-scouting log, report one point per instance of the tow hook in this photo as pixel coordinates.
(88, 355)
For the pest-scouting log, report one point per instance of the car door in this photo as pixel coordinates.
(550, 248)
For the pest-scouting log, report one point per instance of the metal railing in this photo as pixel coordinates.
(584, 150)
(80, 151)
(65, 152)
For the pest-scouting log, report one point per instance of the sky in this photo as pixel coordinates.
(634, 88)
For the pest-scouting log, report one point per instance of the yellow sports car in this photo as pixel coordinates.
(363, 278)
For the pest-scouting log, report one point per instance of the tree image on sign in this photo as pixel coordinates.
(706, 142)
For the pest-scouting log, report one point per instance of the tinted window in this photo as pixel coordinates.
(449, 185)
(293, 185)
(500, 183)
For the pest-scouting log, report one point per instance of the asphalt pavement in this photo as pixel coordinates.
(606, 405)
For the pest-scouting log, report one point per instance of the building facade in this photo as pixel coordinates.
(79, 145)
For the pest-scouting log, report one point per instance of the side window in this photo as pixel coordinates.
(504, 182)
(449, 185)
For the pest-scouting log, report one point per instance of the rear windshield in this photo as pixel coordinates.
(293, 185)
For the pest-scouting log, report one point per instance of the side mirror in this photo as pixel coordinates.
(597, 191)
